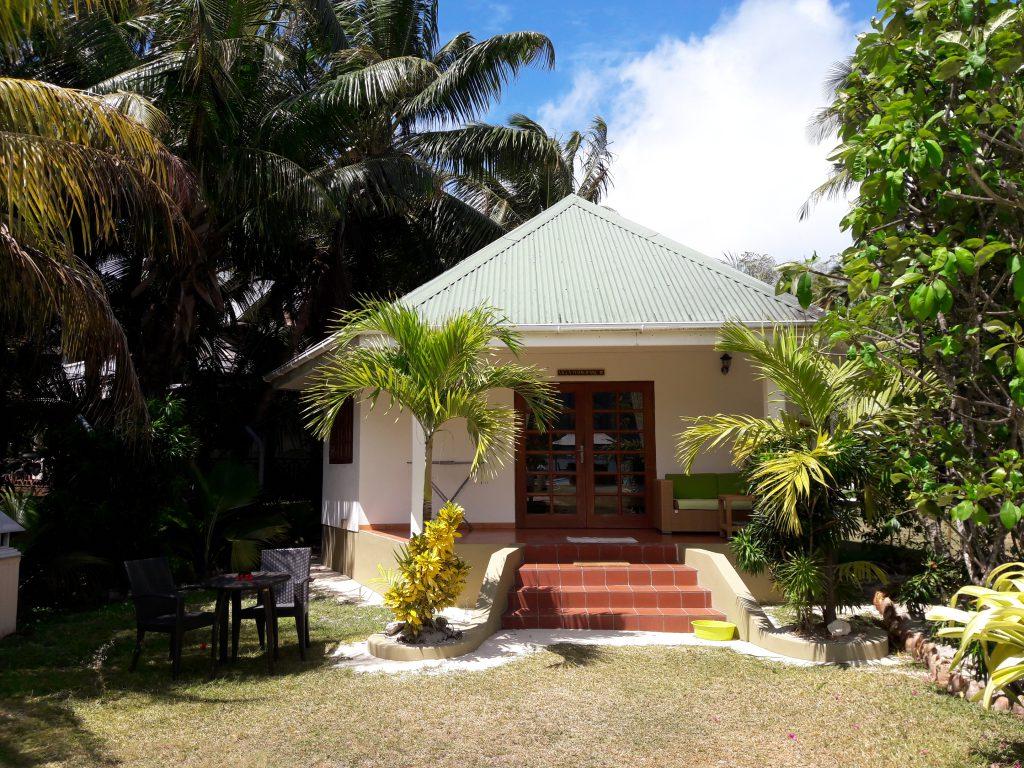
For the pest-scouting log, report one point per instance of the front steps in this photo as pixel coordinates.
(637, 587)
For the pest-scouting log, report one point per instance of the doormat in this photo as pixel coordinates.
(601, 540)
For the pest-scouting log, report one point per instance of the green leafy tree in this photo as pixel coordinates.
(816, 469)
(304, 125)
(928, 117)
(438, 373)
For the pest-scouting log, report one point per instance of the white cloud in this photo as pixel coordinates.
(561, 115)
(710, 133)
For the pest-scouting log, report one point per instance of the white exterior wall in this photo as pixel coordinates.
(377, 486)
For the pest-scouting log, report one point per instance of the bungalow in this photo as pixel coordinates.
(624, 321)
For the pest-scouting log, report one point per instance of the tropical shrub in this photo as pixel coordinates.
(993, 629)
(223, 521)
(933, 583)
(816, 470)
(430, 575)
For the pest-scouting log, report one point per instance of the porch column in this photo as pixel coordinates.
(774, 400)
(416, 467)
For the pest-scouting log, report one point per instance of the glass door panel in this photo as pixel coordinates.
(594, 465)
(619, 441)
(549, 470)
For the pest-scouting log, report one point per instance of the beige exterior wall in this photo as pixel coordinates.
(377, 487)
(358, 553)
(10, 561)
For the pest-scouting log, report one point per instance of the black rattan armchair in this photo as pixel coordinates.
(160, 607)
(291, 597)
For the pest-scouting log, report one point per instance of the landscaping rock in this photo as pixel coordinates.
(839, 628)
(392, 628)
(936, 659)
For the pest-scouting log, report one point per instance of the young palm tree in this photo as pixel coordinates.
(815, 469)
(436, 373)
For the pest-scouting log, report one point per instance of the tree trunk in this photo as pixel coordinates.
(828, 610)
(428, 467)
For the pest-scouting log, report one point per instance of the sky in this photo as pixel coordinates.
(707, 104)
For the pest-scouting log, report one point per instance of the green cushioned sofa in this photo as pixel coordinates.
(689, 503)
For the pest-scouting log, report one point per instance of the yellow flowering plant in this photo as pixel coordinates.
(430, 575)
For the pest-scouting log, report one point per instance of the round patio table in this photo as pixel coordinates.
(231, 586)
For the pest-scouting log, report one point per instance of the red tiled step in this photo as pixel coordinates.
(645, 620)
(547, 599)
(572, 553)
(634, 575)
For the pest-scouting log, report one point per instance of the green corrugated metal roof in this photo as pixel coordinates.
(579, 264)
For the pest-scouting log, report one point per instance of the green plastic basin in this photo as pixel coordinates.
(710, 629)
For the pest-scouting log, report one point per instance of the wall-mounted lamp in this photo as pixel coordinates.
(726, 362)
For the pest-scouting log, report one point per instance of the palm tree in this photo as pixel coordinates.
(816, 469)
(436, 373)
(301, 122)
(514, 172)
(80, 174)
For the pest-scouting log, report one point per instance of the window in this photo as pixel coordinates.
(340, 443)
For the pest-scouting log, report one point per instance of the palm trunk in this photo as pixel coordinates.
(828, 611)
(428, 467)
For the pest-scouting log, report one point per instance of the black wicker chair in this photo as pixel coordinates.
(291, 597)
(160, 607)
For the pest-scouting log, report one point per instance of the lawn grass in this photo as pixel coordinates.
(66, 699)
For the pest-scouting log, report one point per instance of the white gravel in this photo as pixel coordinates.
(506, 646)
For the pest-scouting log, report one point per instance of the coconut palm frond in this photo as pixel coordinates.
(77, 168)
(470, 84)
(838, 184)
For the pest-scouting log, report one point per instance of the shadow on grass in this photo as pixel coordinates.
(37, 732)
(575, 655)
(1003, 753)
(62, 661)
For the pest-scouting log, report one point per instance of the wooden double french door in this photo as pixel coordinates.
(594, 467)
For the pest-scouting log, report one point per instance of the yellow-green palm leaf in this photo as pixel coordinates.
(75, 170)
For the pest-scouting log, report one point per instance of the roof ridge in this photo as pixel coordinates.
(616, 219)
(553, 213)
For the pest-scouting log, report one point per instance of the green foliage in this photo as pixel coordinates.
(818, 471)
(107, 502)
(934, 583)
(20, 506)
(307, 155)
(514, 172)
(436, 373)
(927, 111)
(430, 575)
(994, 625)
(225, 508)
